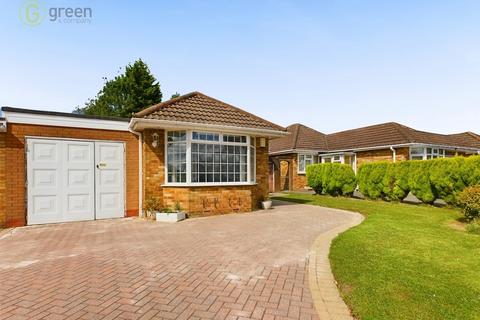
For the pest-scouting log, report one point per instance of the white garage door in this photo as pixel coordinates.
(74, 180)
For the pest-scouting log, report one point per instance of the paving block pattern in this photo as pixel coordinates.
(326, 297)
(239, 266)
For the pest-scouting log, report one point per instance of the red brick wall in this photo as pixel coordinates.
(288, 166)
(153, 165)
(15, 160)
(211, 200)
(201, 200)
(2, 180)
(381, 155)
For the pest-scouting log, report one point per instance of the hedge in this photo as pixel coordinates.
(428, 180)
(331, 178)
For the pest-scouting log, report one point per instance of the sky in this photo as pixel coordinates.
(331, 65)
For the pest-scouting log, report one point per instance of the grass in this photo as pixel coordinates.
(404, 261)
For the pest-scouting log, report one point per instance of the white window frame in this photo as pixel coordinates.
(311, 160)
(341, 158)
(250, 180)
(429, 152)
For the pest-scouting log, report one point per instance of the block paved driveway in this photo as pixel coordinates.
(235, 266)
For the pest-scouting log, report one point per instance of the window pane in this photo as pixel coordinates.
(301, 163)
(219, 163)
(416, 150)
(176, 157)
(233, 138)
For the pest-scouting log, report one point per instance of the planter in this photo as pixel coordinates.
(266, 204)
(169, 217)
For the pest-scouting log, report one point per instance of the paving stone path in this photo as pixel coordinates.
(239, 266)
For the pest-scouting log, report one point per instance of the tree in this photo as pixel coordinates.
(126, 94)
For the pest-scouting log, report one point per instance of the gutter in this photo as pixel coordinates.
(428, 145)
(394, 154)
(177, 125)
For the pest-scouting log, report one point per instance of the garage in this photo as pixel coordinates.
(74, 180)
(61, 167)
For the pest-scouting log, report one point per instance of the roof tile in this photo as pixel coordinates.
(384, 134)
(199, 108)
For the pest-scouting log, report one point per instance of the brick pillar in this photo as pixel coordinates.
(261, 173)
(153, 165)
(2, 180)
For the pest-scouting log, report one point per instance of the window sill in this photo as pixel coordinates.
(211, 184)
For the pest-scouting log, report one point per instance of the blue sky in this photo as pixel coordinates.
(331, 65)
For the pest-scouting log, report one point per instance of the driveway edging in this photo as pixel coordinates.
(325, 294)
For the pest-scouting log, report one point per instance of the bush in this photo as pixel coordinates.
(151, 206)
(473, 227)
(428, 180)
(372, 177)
(470, 171)
(469, 199)
(331, 178)
(314, 177)
(395, 184)
(446, 178)
(419, 181)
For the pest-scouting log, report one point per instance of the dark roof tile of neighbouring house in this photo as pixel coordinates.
(196, 107)
(392, 133)
(300, 138)
(379, 135)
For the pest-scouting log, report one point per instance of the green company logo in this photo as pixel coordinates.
(31, 13)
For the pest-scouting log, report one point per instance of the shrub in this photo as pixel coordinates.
(470, 171)
(363, 175)
(314, 177)
(151, 206)
(446, 178)
(473, 227)
(419, 181)
(396, 185)
(331, 178)
(372, 179)
(469, 199)
(428, 180)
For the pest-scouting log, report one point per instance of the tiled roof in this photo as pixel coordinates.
(196, 107)
(301, 137)
(384, 134)
(392, 133)
(372, 136)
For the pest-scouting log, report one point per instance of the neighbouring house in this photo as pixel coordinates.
(206, 155)
(290, 155)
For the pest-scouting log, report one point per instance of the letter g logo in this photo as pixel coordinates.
(31, 13)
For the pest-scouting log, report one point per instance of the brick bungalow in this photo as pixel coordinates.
(207, 155)
(391, 141)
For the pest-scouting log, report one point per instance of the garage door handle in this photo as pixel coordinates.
(101, 165)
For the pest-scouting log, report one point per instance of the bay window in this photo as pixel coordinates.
(195, 157)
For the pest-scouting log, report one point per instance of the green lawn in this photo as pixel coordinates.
(404, 261)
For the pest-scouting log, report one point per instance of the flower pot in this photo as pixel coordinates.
(266, 204)
(170, 217)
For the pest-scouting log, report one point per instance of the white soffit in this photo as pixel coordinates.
(62, 121)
